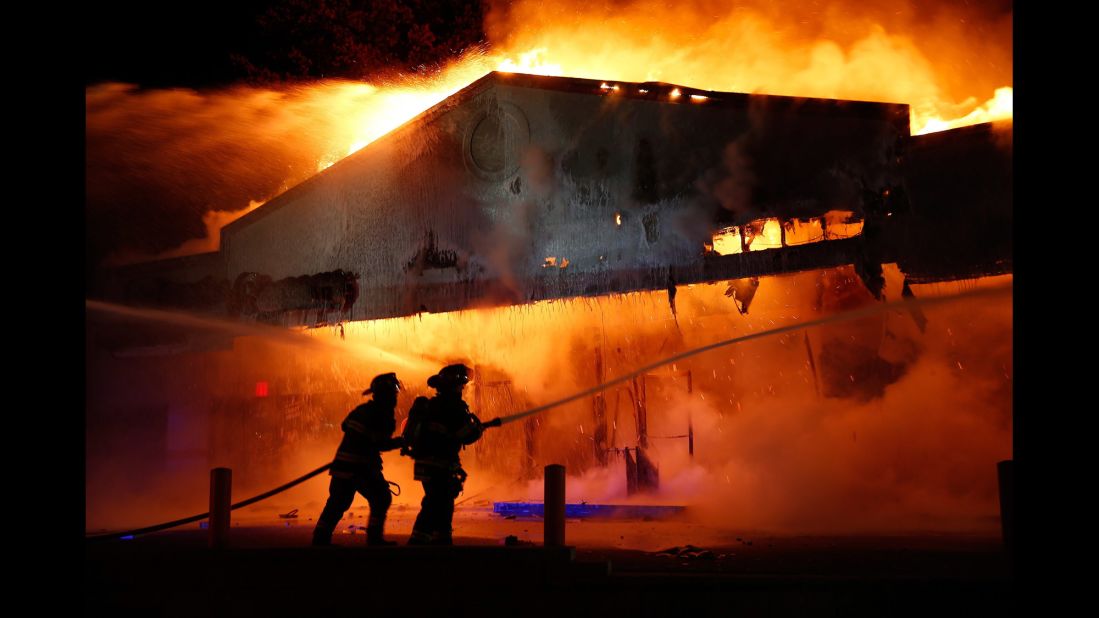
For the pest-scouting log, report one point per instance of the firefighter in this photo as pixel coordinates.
(436, 431)
(368, 430)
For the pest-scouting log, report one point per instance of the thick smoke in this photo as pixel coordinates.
(159, 160)
(777, 448)
(773, 452)
(941, 54)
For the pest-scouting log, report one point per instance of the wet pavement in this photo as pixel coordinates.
(270, 569)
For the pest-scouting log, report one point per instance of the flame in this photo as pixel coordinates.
(996, 109)
(757, 416)
(531, 62)
(841, 224)
(755, 408)
(738, 51)
(944, 63)
(822, 67)
(764, 234)
(213, 220)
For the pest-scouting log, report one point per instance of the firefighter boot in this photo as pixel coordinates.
(420, 537)
(374, 534)
(320, 539)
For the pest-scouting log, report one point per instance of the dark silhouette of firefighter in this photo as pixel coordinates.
(367, 431)
(436, 431)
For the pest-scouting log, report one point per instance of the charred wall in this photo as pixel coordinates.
(960, 186)
(523, 187)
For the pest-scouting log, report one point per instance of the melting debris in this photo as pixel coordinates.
(291, 515)
(742, 291)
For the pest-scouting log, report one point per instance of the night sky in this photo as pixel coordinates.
(147, 45)
(131, 201)
(208, 44)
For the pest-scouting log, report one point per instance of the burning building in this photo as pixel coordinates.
(554, 232)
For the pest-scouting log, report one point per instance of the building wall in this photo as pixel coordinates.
(467, 202)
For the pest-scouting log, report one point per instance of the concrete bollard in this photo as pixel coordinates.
(1006, 473)
(554, 510)
(221, 500)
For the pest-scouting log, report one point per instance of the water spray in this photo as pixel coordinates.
(868, 311)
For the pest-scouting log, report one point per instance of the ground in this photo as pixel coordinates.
(612, 567)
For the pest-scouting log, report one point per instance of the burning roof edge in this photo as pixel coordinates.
(658, 92)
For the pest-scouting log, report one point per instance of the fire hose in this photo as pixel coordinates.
(844, 316)
(194, 518)
(908, 303)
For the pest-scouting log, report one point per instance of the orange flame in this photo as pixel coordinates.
(741, 50)
(931, 61)
(764, 234)
(943, 62)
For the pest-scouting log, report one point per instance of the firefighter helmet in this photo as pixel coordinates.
(450, 375)
(386, 382)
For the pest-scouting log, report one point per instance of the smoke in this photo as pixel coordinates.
(772, 450)
(159, 160)
(919, 53)
(503, 247)
(771, 454)
(915, 452)
(213, 220)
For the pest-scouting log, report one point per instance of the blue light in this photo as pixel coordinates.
(128, 537)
